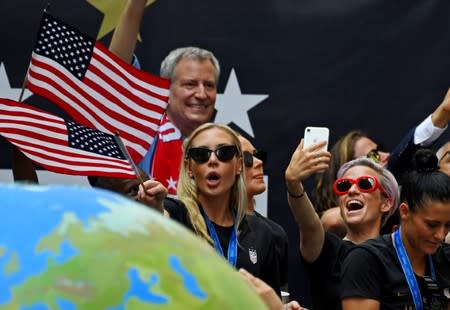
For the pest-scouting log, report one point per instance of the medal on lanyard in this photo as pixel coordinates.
(232, 244)
(408, 271)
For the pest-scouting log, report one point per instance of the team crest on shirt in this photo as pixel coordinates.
(253, 255)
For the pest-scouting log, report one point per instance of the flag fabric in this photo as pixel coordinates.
(168, 155)
(60, 145)
(95, 87)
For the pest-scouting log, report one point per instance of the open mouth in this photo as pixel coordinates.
(354, 205)
(212, 177)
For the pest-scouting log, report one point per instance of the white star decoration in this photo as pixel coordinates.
(232, 106)
(6, 91)
(171, 183)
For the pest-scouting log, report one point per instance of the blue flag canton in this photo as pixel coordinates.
(91, 140)
(65, 45)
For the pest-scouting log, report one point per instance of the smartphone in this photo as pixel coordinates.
(315, 135)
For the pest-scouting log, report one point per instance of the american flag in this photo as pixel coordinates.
(62, 146)
(95, 87)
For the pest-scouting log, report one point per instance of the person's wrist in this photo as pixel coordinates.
(289, 178)
(296, 196)
(440, 117)
(295, 189)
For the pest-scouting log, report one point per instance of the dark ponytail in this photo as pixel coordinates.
(425, 182)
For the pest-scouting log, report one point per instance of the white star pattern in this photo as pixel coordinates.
(232, 106)
(91, 140)
(171, 183)
(6, 91)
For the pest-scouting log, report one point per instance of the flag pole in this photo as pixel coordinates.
(127, 155)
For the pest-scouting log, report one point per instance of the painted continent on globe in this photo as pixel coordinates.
(81, 248)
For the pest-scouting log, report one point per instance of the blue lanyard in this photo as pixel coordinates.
(408, 271)
(232, 245)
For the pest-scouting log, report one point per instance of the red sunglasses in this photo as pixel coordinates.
(366, 184)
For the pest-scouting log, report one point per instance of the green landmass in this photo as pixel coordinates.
(12, 265)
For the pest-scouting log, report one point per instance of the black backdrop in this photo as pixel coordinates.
(378, 65)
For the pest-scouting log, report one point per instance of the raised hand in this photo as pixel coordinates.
(441, 116)
(152, 193)
(307, 161)
(304, 162)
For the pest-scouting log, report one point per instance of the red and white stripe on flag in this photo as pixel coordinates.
(62, 146)
(95, 87)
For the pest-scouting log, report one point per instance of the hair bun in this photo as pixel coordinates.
(425, 161)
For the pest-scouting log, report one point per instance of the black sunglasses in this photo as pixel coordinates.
(248, 157)
(223, 153)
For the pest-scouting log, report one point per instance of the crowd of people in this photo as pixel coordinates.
(373, 235)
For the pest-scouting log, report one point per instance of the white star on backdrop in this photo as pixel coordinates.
(171, 183)
(232, 106)
(6, 91)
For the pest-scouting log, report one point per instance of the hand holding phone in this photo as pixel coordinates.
(315, 135)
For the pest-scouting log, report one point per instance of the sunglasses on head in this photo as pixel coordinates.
(248, 157)
(202, 154)
(366, 184)
(374, 155)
